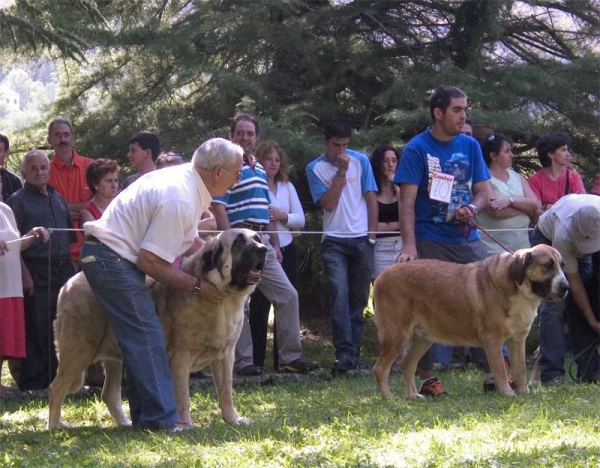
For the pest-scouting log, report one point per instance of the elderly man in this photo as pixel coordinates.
(571, 226)
(141, 233)
(68, 174)
(38, 204)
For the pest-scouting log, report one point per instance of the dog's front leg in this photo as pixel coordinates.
(516, 352)
(222, 371)
(181, 366)
(493, 352)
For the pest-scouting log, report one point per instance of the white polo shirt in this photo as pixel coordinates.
(159, 213)
(557, 225)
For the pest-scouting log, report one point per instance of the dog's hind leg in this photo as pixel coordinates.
(390, 349)
(65, 379)
(111, 391)
(418, 348)
(222, 371)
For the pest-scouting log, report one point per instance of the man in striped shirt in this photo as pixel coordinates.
(246, 205)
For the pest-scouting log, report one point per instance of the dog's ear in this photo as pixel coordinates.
(211, 257)
(518, 265)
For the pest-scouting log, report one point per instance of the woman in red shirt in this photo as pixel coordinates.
(103, 179)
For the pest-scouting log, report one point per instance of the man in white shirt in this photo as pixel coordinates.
(141, 233)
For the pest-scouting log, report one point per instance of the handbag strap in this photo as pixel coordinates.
(567, 183)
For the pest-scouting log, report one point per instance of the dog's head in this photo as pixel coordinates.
(233, 260)
(538, 272)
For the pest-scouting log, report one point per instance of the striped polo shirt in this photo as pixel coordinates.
(248, 200)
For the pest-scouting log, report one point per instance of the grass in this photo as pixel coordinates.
(326, 422)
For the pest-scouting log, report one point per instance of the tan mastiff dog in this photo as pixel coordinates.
(197, 332)
(480, 304)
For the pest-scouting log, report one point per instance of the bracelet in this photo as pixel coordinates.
(340, 175)
(511, 200)
(197, 284)
(473, 208)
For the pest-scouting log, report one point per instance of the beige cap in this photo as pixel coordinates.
(585, 227)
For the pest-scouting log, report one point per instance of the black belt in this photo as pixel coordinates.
(90, 238)
(254, 226)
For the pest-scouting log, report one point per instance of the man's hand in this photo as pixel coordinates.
(465, 214)
(407, 253)
(595, 324)
(197, 245)
(278, 253)
(343, 161)
(209, 292)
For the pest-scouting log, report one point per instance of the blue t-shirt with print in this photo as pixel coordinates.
(460, 157)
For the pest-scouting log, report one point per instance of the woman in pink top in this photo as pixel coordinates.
(103, 179)
(554, 179)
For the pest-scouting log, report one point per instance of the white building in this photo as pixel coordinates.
(10, 100)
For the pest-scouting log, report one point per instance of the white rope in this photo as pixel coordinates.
(204, 231)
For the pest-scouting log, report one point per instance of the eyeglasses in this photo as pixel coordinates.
(238, 175)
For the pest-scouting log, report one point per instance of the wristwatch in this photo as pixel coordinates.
(473, 208)
(371, 241)
(511, 200)
(197, 284)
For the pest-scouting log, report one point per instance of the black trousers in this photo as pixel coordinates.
(258, 316)
(38, 369)
(583, 339)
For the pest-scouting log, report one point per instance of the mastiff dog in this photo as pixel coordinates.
(197, 332)
(480, 304)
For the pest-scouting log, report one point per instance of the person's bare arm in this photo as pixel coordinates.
(75, 208)
(528, 204)
(330, 199)
(85, 216)
(406, 203)
(170, 275)
(218, 209)
(208, 222)
(372, 213)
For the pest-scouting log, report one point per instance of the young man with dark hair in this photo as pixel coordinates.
(342, 182)
(9, 182)
(144, 149)
(444, 183)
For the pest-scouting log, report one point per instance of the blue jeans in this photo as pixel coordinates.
(347, 264)
(120, 288)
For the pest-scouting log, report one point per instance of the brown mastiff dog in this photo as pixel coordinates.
(481, 304)
(197, 332)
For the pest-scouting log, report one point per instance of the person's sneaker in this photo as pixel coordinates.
(249, 370)
(432, 388)
(298, 367)
(491, 386)
(341, 365)
(362, 366)
(198, 375)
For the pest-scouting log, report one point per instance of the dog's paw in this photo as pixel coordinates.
(59, 425)
(242, 422)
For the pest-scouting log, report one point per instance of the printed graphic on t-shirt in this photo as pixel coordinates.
(458, 166)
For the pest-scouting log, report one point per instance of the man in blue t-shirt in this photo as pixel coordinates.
(444, 182)
(342, 182)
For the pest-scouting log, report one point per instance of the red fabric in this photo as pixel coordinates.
(92, 208)
(70, 182)
(12, 328)
(548, 191)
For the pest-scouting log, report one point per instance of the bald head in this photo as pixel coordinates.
(35, 168)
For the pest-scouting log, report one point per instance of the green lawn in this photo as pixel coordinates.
(326, 422)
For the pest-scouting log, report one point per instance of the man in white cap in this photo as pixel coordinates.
(572, 226)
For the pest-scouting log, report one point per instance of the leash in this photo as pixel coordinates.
(466, 228)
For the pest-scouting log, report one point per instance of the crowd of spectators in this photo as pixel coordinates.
(379, 210)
